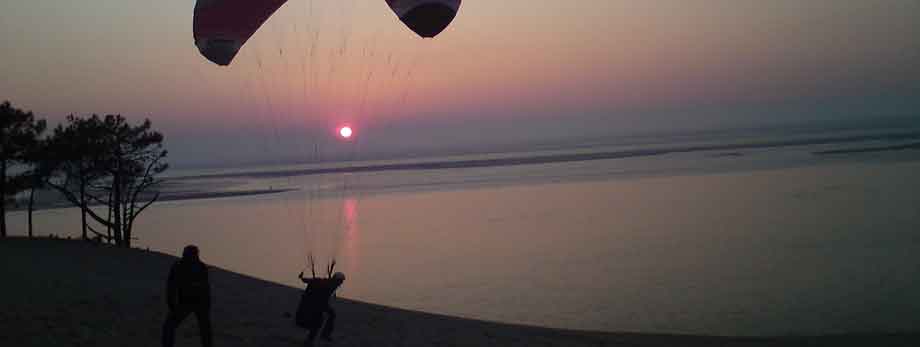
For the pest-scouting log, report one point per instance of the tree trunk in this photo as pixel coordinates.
(83, 206)
(126, 217)
(108, 218)
(116, 205)
(125, 227)
(129, 218)
(31, 208)
(2, 198)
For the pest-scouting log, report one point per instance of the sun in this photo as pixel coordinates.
(345, 132)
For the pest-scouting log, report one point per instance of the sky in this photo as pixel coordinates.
(504, 72)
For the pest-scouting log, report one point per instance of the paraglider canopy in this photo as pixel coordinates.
(427, 18)
(222, 27)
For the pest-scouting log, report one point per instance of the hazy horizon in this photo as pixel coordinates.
(302, 153)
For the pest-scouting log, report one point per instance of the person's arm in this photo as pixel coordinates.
(171, 288)
(207, 287)
(307, 280)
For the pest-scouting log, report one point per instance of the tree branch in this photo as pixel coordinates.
(97, 218)
(67, 194)
(100, 235)
(147, 204)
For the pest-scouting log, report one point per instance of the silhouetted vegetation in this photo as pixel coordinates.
(19, 134)
(76, 154)
(109, 162)
(91, 161)
(40, 169)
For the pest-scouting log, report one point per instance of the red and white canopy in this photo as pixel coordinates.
(222, 27)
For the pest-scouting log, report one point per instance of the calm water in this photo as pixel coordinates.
(763, 241)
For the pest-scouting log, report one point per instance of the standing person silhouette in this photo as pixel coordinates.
(314, 304)
(188, 291)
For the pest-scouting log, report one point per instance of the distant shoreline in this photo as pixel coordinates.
(178, 196)
(216, 195)
(914, 145)
(113, 297)
(563, 157)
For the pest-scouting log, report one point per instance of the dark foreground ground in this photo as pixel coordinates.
(69, 293)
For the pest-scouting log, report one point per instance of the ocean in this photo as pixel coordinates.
(724, 233)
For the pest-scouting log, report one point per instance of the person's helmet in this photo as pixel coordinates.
(190, 252)
(338, 276)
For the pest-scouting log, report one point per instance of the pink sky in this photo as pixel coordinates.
(595, 62)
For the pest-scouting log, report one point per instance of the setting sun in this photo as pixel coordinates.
(345, 132)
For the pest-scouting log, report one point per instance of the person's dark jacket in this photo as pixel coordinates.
(188, 285)
(315, 301)
(320, 290)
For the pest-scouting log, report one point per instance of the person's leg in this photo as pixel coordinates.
(173, 318)
(311, 336)
(315, 326)
(330, 324)
(204, 326)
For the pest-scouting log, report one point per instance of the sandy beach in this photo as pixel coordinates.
(71, 293)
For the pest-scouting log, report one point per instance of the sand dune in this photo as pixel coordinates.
(70, 293)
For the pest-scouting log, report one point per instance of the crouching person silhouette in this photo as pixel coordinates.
(315, 307)
(188, 291)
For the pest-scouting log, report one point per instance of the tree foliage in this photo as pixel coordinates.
(19, 136)
(107, 161)
(74, 156)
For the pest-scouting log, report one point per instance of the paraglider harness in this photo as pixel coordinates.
(315, 298)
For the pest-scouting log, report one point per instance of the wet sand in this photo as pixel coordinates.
(71, 293)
